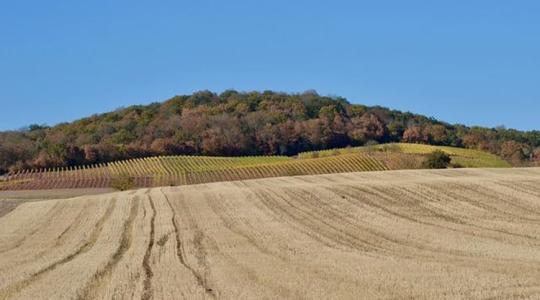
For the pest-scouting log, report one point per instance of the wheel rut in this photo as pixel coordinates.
(181, 256)
(147, 284)
(101, 276)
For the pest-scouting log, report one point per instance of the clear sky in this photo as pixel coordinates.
(464, 61)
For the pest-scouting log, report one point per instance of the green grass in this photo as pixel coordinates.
(467, 158)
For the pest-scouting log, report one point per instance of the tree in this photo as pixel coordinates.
(225, 137)
(367, 127)
(415, 134)
(437, 160)
(437, 134)
(90, 154)
(536, 156)
(163, 146)
(236, 123)
(513, 152)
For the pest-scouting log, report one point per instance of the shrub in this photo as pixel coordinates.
(123, 182)
(437, 160)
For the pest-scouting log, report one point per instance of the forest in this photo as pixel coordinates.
(236, 123)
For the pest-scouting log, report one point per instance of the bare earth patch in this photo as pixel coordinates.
(445, 234)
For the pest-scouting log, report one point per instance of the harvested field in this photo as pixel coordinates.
(464, 233)
(9, 200)
(7, 206)
(52, 194)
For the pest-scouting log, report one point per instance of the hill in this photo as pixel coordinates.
(448, 234)
(183, 170)
(392, 155)
(245, 124)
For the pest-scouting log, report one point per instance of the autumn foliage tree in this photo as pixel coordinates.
(415, 134)
(512, 151)
(367, 127)
(536, 156)
(236, 123)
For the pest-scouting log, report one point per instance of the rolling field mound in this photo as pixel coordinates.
(446, 234)
(185, 170)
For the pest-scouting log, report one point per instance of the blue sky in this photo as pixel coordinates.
(472, 62)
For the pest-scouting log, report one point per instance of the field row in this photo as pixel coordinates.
(468, 158)
(163, 171)
(182, 170)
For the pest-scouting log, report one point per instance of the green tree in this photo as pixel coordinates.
(437, 160)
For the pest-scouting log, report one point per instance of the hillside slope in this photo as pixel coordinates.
(245, 124)
(183, 170)
(465, 158)
(401, 234)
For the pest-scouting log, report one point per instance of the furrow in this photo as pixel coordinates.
(147, 292)
(181, 256)
(99, 279)
(6, 293)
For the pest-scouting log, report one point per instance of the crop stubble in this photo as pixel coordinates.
(400, 234)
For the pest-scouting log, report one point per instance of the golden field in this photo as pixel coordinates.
(446, 234)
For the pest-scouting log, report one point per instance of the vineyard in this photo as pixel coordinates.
(468, 158)
(183, 170)
(413, 234)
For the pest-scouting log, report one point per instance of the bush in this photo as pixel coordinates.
(123, 182)
(437, 160)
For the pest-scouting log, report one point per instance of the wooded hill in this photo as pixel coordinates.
(235, 124)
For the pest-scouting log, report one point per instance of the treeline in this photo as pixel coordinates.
(254, 123)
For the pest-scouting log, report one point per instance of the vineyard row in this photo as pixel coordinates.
(163, 171)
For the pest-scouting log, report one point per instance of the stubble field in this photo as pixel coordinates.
(450, 234)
